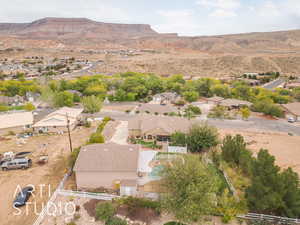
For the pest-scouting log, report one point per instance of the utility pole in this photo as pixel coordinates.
(69, 133)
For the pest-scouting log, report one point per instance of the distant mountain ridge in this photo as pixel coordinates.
(216, 55)
(65, 28)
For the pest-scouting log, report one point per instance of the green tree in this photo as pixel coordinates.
(221, 90)
(201, 137)
(191, 187)
(178, 139)
(267, 107)
(91, 104)
(191, 96)
(263, 195)
(235, 153)
(245, 112)
(64, 98)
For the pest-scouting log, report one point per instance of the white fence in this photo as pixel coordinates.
(275, 219)
(91, 195)
(61, 191)
(51, 200)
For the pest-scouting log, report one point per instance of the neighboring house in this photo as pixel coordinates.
(292, 85)
(292, 110)
(165, 98)
(56, 122)
(157, 109)
(214, 100)
(156, 127)
(234, 103)
(108, 165)
(15, 121)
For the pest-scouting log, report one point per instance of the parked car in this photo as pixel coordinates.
(18, 163)
(23, 196)
(291, 120)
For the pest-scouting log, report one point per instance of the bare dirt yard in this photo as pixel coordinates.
(85, 214)
(285, 148)
(49, 175)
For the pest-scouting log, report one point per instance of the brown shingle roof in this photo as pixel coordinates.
(234, 102)
(168, 124)
(108, 157)
(153, 108)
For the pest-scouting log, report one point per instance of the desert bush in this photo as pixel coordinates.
(104, 211)
(115, 221)
(96, 138)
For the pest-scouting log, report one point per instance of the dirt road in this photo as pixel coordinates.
(49, 175)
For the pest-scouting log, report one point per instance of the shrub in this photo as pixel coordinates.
(91, 104)
(134, 203)
(104, 211)
(11, 133)
(96, 138)
(115, 221)
(29, 107)
(194, 109)
(219, 112)
(4, 108)
(73, 157)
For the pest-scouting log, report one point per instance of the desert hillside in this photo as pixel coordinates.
(197, 56)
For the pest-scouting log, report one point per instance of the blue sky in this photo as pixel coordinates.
(186, 17)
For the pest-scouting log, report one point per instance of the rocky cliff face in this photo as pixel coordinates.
(75, 27)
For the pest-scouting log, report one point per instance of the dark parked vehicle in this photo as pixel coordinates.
(23, 196)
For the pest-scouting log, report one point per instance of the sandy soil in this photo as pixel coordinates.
(285, 148)
(57, 148)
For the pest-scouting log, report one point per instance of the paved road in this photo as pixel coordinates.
(85, 71)
(274, 84)
(252, 124)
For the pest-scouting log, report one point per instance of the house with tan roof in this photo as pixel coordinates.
(234, 103)
(15, 122)
(108, 165)
(158, 128)
(157, 109)
(57, 121)
(214, 100)
(292, 110)
(165, 98)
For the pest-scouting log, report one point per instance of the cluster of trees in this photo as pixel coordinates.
(272, 191)
(199, 138)
(141, 87)
(18, 87)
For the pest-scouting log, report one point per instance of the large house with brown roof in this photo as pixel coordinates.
(108, 165)
(157, 109)
(292, 110)
(158, 128)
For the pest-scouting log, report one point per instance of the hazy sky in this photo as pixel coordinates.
(186, 17)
